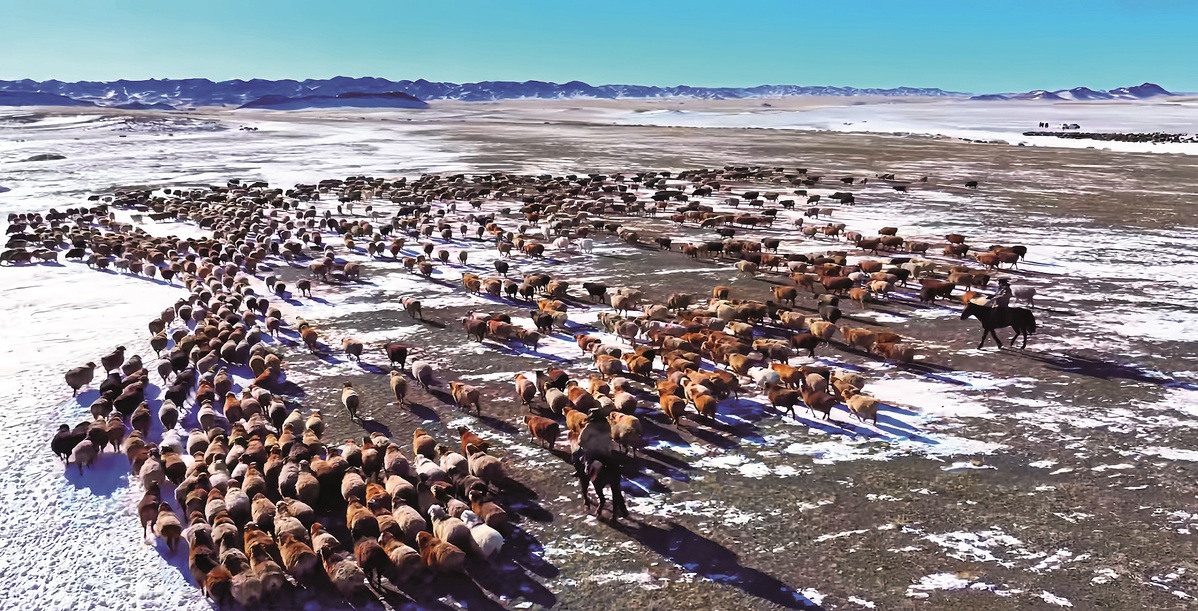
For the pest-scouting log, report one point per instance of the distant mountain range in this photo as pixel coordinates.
(166, 94)
(182, 93)
(1139, 92)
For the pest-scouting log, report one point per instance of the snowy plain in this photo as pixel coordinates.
(73, 540)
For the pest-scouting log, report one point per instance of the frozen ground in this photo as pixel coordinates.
(1084, 491)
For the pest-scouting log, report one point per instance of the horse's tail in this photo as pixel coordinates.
(1031, 322)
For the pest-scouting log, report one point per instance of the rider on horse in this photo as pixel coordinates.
(1002, 298)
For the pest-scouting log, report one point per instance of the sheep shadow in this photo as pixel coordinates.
(524, 550)
(712, 561)
(422, 411)
(104, 477)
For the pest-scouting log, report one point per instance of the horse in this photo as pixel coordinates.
(600, 472)
(1020, 319)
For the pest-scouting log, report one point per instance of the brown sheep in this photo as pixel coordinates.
(626, 431)
(864, 407)
(439, 556)
(405, 561)
(674, 408)
(859, 338)
(466, 396)
(423, 444)
(544, 430)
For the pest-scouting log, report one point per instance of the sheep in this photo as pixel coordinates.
(470, 439)
(168, 527)
(823, 330)
(352, 348)
(405, 561)
(343, 572)
(80, 376)
(422, 371)
(466, 396)
(450, 529)
(399, 386)
(1024, 293)
(859, 338)
(351, 400)
(486, 467)
(412, 307)
(487, 541)
(556, 400)
(409, 520)
(674, 408)
(423, 444)
(439, 556)
(895, 351)
(544, 430)
(371, 558)
(526, 390)
(113, 359)
(83, 453)
(268, 572)
(864, 407)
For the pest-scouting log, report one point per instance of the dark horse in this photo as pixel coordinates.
(600, 472)
(1020, 319)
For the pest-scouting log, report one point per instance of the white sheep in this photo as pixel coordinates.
(487, 541)
(1024, 293)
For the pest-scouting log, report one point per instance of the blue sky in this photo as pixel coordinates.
(964, 45)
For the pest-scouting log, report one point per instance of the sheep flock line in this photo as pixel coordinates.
(259, 495)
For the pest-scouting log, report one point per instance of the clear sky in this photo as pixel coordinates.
(963, 45)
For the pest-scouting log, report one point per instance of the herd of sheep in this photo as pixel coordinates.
(266, 503)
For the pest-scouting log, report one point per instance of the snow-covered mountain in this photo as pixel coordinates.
(352, 100)
(1139, 92)
(183, 93)
(179, 93)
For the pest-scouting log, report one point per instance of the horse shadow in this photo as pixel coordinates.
(1101, 369)
(698, 554)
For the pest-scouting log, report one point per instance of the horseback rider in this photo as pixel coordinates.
(1001, 299)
